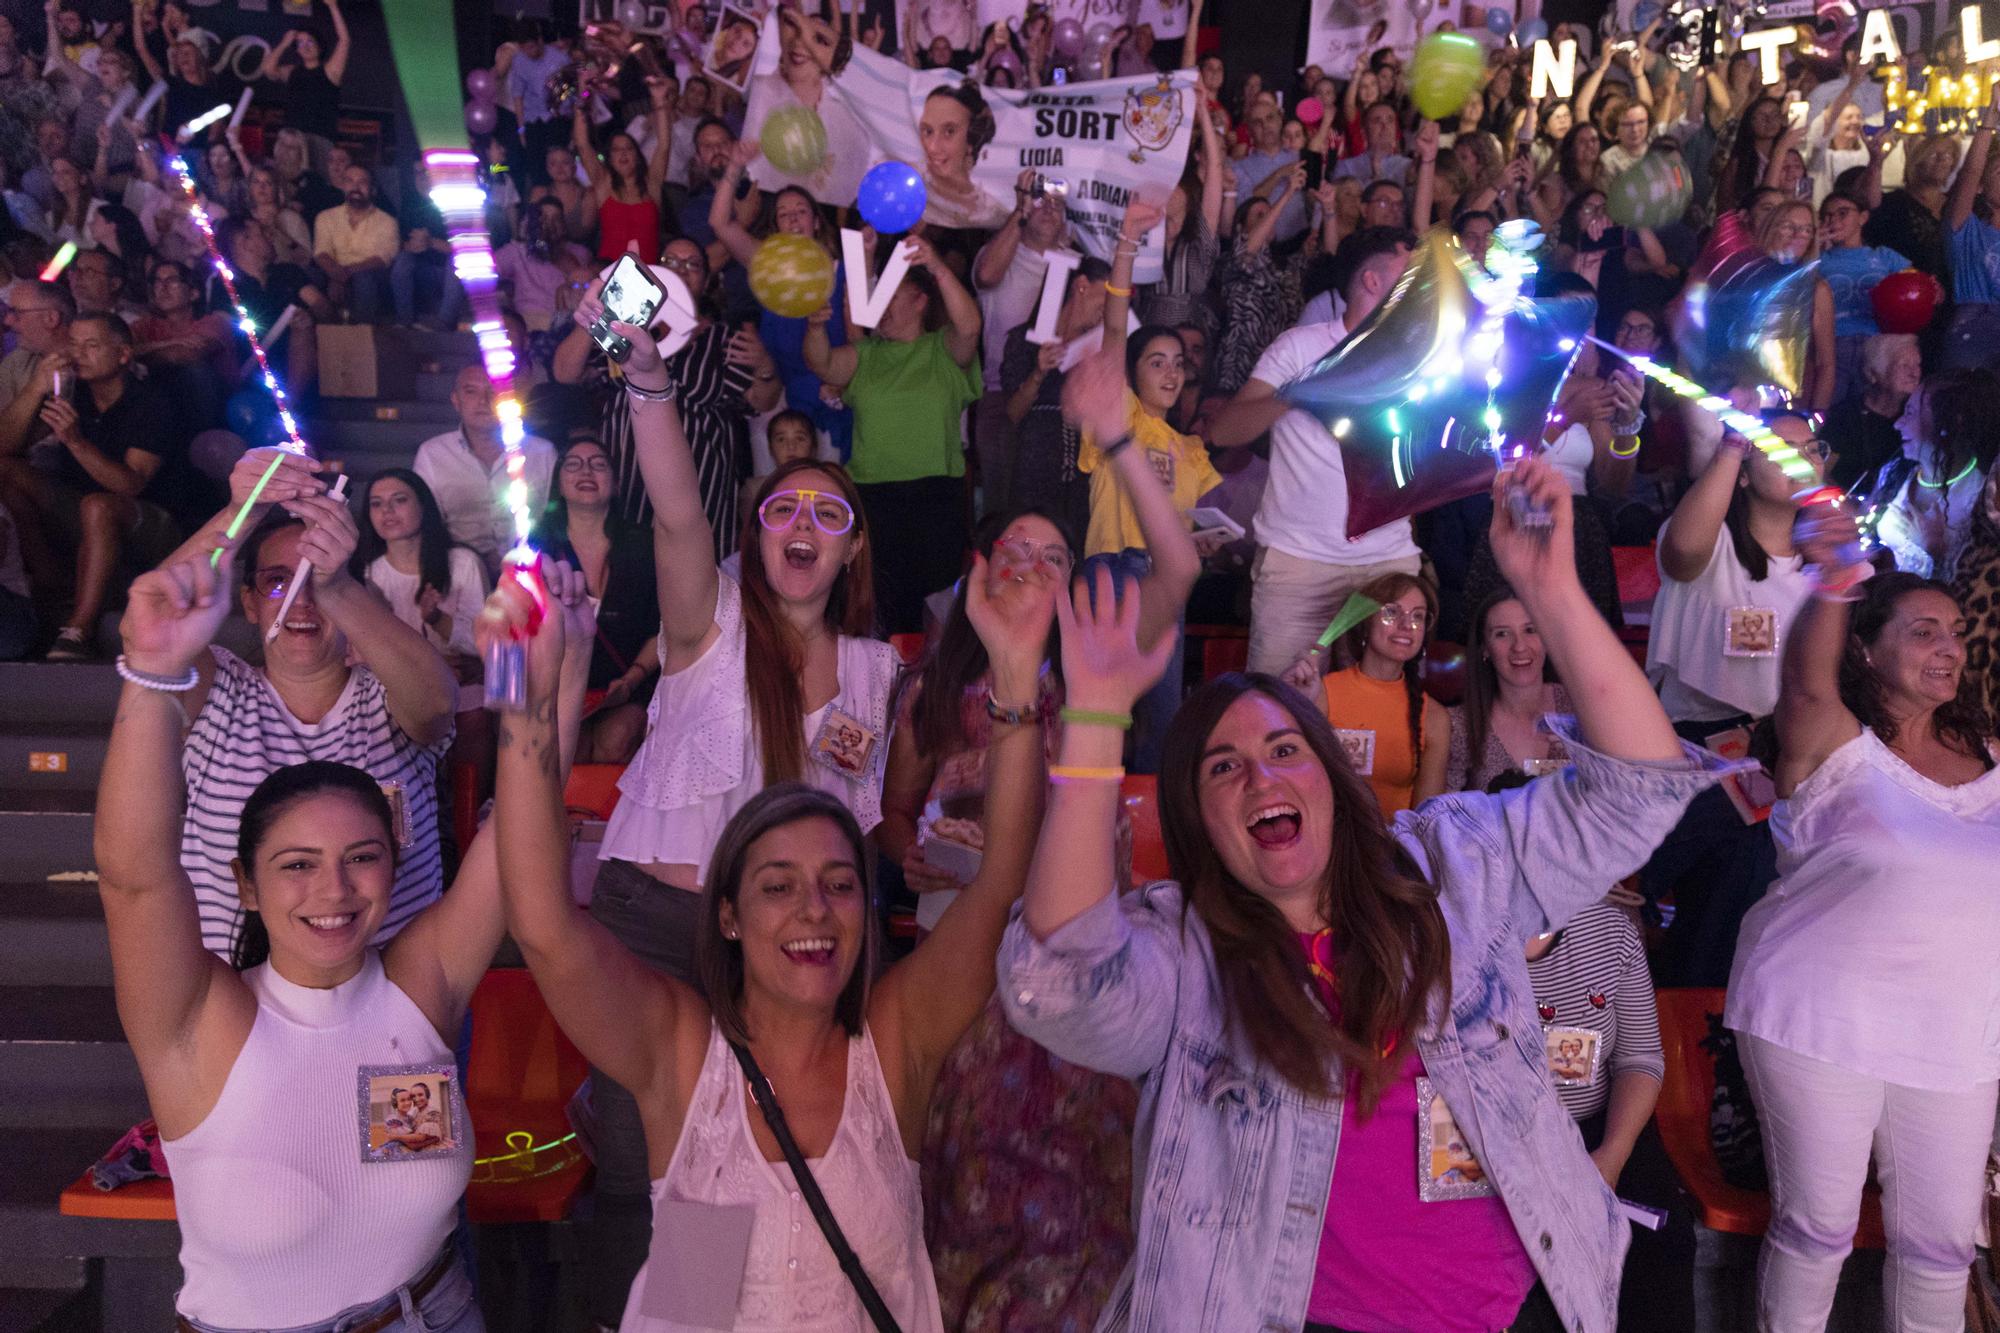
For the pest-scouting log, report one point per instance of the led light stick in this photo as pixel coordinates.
(294, 443)
(60, 261)
(202, 122)
(339, 492)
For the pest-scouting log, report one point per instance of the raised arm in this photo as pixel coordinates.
(944, 984)
(1259, 236)
(833, 365)
(343, 45)
(274, 57)
(141, 45)
(174, 997)
(586, 153)
(735, 237)
(1687, 542)
(1191, 44)
(1426, 182)
(660, 159)
(1140, 218)
(618, 1011)
(1588, 92)
(961, 334)
(997, 255)
(1879, 147)
(1813, 722)
(439, 958)
(1218, 179)
(1958, 206)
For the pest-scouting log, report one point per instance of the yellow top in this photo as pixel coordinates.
(1179, 461)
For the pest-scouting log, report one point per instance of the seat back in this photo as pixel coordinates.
(1141, 797)
(1690, 1082)
(593, 789)
(519, 1055)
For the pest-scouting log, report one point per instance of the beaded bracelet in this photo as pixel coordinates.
(1116, 447)
(146, 680)
(1089, 717)
(1012, 715)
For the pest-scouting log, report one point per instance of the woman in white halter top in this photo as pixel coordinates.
(786, 954)
(276, 1088)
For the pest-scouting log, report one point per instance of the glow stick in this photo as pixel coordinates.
(1773, 446)
(53, 269)
(242, 105)
(150, 100)
(124, 99)
(339, 492)
(202, 122)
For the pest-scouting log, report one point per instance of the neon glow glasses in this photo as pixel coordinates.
(831, 513)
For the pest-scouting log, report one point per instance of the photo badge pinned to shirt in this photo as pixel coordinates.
(1749, 631)
(844, 744)
(1447, 1169)
(1573, 1055)
(407, 1112)
(1360, 746)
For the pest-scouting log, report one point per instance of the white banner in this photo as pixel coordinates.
(949, 18)
(1344, 32)
(1098, 143)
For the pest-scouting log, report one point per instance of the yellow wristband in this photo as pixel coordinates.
(1071, 773)
(1124, 292)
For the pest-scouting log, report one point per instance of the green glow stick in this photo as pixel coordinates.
(236, 524)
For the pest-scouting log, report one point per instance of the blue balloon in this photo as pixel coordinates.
(1534, 30)
(1499, 22)
(248, 412)
(1644, 13)
(892, 197)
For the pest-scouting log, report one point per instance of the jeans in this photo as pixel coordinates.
(1293, 600)
(17, 626)
(657, 923)
(1819, 1122)
(411, 274)
(367, 292)
(1154, 712)
(448, 1307)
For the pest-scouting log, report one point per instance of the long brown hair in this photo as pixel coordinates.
(1392, 955)
(718, 960)
(774, 660)
(1383, 591)
(1962, 724)
(1482, 679)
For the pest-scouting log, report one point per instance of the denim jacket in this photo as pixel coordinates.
(1232, 1165)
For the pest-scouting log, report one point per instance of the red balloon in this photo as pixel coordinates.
(1904, 302)
(1444, 671)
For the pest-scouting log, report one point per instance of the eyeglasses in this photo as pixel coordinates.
(1392, 617)
(1815, 448)
(682, 264)
(271, 581)
(1053, 557)
(831, 513)
(576, 464)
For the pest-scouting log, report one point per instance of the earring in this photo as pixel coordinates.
(728, 934)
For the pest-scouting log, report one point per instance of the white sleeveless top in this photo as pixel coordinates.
(701, 763)
(282, 1222)
(1685, 658)
(1875, 949)
(791, 1281)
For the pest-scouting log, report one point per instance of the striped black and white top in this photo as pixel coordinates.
(245, 733)
(1595, 978)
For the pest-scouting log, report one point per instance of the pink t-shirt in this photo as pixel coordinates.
(1388, 1261)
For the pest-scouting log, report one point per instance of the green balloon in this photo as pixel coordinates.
(1652, 192)
(1447, 67)
(794, 140)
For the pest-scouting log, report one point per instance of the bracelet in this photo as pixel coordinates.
(1071, 773)
(1012, 715)
(1116, 447)
(146, 680)
(1616, 452)
(1124, 293)
(1841, 587)
(1091, 717)
(664, 394)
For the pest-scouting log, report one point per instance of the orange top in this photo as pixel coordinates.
(1373, 719)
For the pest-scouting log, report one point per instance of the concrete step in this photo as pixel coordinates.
(47, 1309)
(46, 830)
(55, 755)
(52, 934)
(385, 409)
(35, 694)
(64, 1062)
(36, 1165)
(332, 437)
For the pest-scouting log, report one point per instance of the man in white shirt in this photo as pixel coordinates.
(1307, 566)
(1007, 278)
(466, 470)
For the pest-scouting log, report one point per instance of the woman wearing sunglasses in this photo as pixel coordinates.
(763, 679)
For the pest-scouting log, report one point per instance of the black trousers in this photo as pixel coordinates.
(1656, 1294)
(1537, 1315)
(917, 532)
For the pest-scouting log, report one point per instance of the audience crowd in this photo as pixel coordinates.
(881, 625)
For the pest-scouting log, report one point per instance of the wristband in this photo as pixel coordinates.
(1632, 452)
(666, 394)
(1841, 585)
(1072, 773)
(1091, 717)
(1124, 293)
(1012, 715)
(1116, 447)
(146, 680)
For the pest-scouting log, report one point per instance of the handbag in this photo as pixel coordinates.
(850, 1262)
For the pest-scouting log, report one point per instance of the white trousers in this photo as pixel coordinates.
(1820, 1122)
(1292, 600)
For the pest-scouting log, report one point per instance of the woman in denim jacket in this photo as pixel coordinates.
(1312, 976)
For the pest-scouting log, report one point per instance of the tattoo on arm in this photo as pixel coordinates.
(534, 734)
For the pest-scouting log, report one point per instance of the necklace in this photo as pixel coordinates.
(1947, 485)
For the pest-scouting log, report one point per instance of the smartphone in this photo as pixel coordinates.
(1795, 114)
(1315, 170)
(55, 384)
(631, 296)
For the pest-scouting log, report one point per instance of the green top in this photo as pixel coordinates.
(908, 399)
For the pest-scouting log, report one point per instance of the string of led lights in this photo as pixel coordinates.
(1752, 428)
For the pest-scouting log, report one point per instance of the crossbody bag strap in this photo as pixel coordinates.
(850, 1262)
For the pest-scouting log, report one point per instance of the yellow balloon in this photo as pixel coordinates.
(1447, 66)
(791, 275)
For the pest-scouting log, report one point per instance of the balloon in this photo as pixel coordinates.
(1644, 13)
(214, 452)
(791, 275)
(1447, 67)
(794, 140)
(632, 13)
(1651, 192)
(1744, 319)
(1499, 22)
(1904, 302)
(248, 412)
(1309, 111)
(1099, 37)
(1532, 31)
(1007, 60)
(892, 197)
(1423, 398)
(480, 85)
(1068, 36)
(481, 117)
(1444, 672)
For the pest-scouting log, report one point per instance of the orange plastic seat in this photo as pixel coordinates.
(529, 1166)
(141, 1201)
(1223, 648)
(909, 647)
(1141, 796)
(593, 789)
(1682, 1117)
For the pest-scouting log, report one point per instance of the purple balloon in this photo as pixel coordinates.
(892, 197)
(1099, 36)
(480, 84)
(1005, 59)
(1068, 36)
(481, 117)
(214, 452)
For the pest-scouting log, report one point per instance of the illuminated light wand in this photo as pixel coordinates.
(338, 492)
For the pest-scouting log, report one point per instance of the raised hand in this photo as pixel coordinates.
(1104, 669)
(1094, 396)
(293, 479)
(172, 613)
(530, 606)
(1012, 617)
(1533, 556)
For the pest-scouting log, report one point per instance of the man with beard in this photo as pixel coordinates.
(354, 245)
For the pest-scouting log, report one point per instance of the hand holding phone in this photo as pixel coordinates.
(632, 296)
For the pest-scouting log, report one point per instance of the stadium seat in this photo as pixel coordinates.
(519, 1078)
